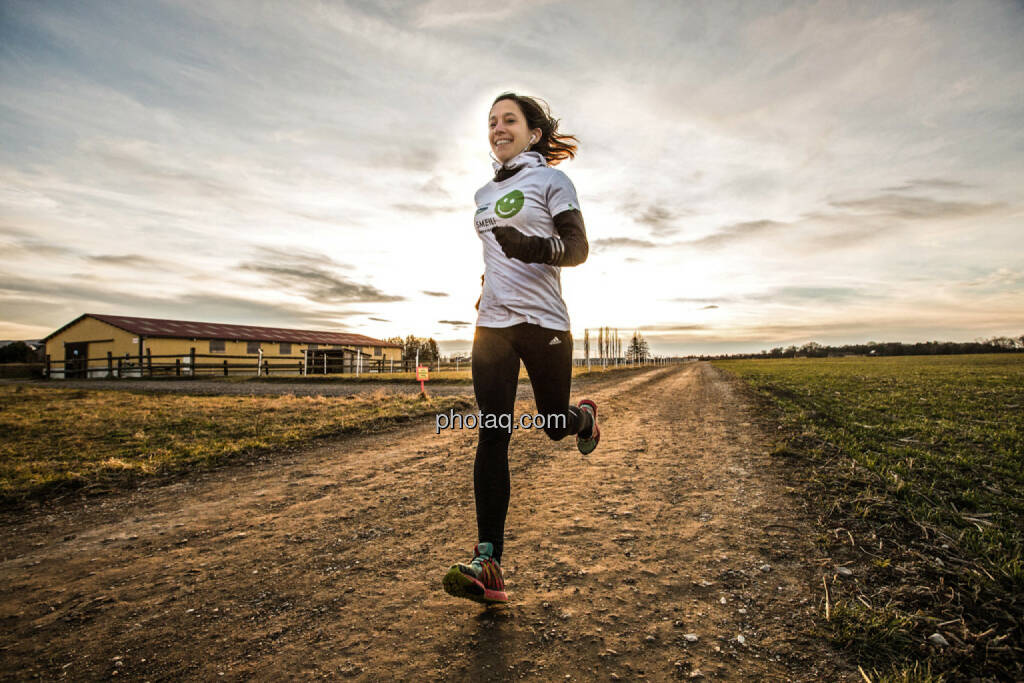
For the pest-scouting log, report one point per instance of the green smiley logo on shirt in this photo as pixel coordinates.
(510, 204)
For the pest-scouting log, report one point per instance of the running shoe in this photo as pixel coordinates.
(587, 445)
(480, 580)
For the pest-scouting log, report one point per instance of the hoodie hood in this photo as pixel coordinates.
(525, 159)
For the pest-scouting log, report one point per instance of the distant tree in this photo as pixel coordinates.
(637, 351)
(432, 352)
(427, 348)
(18, 352)
(814, 350)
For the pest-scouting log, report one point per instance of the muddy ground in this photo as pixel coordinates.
(676, 550)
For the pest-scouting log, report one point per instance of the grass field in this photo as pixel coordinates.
(919, 466)
(53, 439)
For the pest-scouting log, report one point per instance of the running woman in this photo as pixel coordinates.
(529, 221)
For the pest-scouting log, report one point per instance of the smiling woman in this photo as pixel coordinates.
(529, 221)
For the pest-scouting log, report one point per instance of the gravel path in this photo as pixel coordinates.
(674, 551)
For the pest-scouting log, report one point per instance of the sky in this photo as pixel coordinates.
(751, 175)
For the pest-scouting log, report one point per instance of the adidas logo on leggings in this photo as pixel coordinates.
(554, 341)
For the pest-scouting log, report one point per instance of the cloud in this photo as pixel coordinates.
(998, 279)
(141, 161)
(673, 327)
(798, 294)
(737, 232)
(705, 308)
(621, 243)
(23, 240)
(456, 323)
(425, 209)
(380, 320)
(917, 208)
(687, 300)
(658, 220)
(127, 260)
(59, 302)
(312, 277)
(300, 257)
(435, 187)
(435, 14)
(655, 215)
(930, 184)
(429, 293)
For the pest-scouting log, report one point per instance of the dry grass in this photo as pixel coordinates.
(55, 439)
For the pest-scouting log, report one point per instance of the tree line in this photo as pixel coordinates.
(871, 348)
(426, 346)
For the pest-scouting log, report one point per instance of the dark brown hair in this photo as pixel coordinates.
(553, 146)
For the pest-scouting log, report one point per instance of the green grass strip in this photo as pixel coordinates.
(923, 455)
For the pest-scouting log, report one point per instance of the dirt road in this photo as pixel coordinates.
(328, 562)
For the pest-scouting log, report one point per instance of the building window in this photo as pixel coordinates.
(286, 349)
(216, 346)
(252, 347)
(378, 351)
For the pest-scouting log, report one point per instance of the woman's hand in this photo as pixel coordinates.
(523, 247)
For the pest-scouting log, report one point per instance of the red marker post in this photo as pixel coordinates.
(423, 375)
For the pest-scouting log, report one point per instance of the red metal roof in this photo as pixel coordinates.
(186, 329)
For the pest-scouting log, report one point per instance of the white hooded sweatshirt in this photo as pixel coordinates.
(517, 292)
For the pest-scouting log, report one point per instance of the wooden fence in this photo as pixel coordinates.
(319, 363)
(206, 364)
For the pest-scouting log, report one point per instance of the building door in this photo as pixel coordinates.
(75, 359)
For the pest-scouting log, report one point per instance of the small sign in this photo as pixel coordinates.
(135, 340)
(422, 375)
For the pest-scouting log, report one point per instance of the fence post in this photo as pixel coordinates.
(192, 360)
(266, 368)
(149, 361)
(47, 365)
(110, 364)
(120, 372)
(225, 367)
(177, 367)
(305, 361)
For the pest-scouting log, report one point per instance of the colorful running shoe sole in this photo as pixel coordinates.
(461, 585)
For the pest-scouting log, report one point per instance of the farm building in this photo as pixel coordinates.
(95, 345)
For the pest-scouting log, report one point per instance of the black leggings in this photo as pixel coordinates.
(496, 355)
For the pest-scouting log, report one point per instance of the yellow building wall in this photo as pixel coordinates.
(123, 342)
(90, 330)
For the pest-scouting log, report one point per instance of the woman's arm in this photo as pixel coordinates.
(573, 236)
(570, 248)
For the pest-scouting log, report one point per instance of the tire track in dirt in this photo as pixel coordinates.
(328, 562)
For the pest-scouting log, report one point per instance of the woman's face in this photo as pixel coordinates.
(508, 134)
